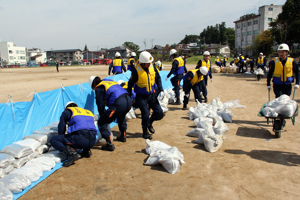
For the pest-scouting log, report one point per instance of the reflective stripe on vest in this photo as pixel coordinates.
(283, 75)
(180, 68)
(81, 119)
(146, 81)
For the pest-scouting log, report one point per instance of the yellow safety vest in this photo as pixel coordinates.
(117, 62)
(260, 60)
(283, 74)
(206, 64)
(80, 111)
(218, 60)
(146, 81)
(195, 79)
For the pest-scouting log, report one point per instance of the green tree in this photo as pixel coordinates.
(132, 46)
(85, 48)
(285, 28)
(230, 36)
(262, 43)
(190, 39)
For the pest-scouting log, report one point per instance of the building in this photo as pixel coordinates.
(36, 55)
(64, 55)
(216, 49)
(124, 51)
(246, 28)
(11, 54)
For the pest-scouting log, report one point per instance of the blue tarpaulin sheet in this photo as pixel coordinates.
(19, 119)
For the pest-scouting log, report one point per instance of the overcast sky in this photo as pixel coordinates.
(70, 24)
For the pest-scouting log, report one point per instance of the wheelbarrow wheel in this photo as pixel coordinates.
(258, 77)
(277, 134)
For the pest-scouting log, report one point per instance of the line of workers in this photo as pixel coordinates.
(143, 89)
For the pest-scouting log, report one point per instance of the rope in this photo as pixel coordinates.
(12, 104)
(35, 93)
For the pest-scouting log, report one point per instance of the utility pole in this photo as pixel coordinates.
(145, 43)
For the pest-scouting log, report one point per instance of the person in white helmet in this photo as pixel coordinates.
(145, 78)
(81, 133)
(178, 69)
(218, 62)
(131, 61)
(241, 63)
(117, 65)
(225, 59)
(261, 61)
(192, 81)
(283, 70)
(158, 65)
(205, 63)
(109, 93)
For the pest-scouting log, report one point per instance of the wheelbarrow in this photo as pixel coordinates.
(279, 121)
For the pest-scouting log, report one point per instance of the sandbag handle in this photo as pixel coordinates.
(294, 93)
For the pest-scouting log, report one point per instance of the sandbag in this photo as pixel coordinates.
(203, 122)
(215, 69)
(153, 146)
(5, 193)
(53, 126)
(16, 150)
(226, 115)
(208, 131)
(33, 155)
(31, 143)
(220, 128)
(20, 162)
(195, 132)
(5, 160)
(32, 172)
(213, 143)
(223, 69)
(42, 149)
(282, 106)
(42, 138)
(154, 157)
(15, 182)
(191, 113)
(172, 160)
(45, 163)
(8, 169)
(130, 114)
(56, 155)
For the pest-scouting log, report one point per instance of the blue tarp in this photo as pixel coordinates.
(19, 119)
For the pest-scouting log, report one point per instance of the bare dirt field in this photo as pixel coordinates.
(251, 164)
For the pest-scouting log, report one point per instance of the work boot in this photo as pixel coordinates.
(184, 107)
(72, 156)
(122, 137)
(86, 153)
(205, 99)
(151, 129)
(109, 145)
(146, 135)
(177, 101)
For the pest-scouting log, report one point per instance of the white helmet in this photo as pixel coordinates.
(91, 80)
(173, 51)
(204, 70)
(145, 57)
(261, 53)
(71, 102)
(133, 54)
(206, 53)
(117, 54)
(283, 46)
(120, 82)
(237, 58)
(158, 63)
(247, 59)
(225, 56)
(217, 56)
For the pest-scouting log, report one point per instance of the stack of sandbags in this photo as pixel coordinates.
(231, 69)
(281, 106)
(6, 164)
(215, 69)
(172, 98)
(224, 69)
(160, 153)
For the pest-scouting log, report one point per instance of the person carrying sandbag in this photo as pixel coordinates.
(81, 133)
(192, 81)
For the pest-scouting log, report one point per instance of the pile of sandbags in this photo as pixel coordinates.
(210, 121)
(161, 153)
(231, 69)
(215, 69)
(224, 69)
(171, 95)
(281, 106)
(259, 71)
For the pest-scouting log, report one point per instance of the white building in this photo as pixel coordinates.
(11, 54)
(36, 55)
(247, 28)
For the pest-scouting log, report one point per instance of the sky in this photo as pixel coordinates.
(70, 24)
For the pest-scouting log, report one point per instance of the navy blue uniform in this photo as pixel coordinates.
(203, 84)
(143, 101)
(80, 139)
(187, 86)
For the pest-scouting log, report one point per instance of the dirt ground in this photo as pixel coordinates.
(251, 164)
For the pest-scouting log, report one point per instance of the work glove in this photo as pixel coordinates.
(269, 87)
(166, 78)
(296, 86)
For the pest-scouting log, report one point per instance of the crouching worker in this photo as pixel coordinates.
(81, 133)
(111, 94)
(192, 80)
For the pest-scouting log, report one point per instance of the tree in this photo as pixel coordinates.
(190, 39)
(85, 48)
(230, 36)
(262, 43)
(285, 28)
(132, 46)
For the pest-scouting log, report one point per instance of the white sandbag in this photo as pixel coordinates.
(259, 71)
(32, 172)
(8, 169)
(220, 128)
(164, 109)
(172, 160)
(42, 138)
(226, 115)
(216, 69)
(154, 157)
(269, 112)
(53, 126)
(5, 160)
(130, 114)
(45, 163)
(32, 143)
(16, 150)
(20, 162)
(15, 182)
(56, 155)
(42, 149)
(282, 106)
(208, 131)
(213, 143)
(153, 146)
(287, 110)
(233, 104)
(223, 69)
(191, 113)
(216, 118)
(45, 131)
(5, 193)
(201, 112)
(216, 103)
(203, 122)
(33, 155)
(1, 173)
(181, 96)
(195, 132)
